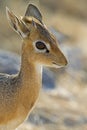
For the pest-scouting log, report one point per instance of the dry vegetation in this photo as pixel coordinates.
(65, 106)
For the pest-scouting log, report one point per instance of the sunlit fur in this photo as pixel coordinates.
(18, 93)
(40, 32)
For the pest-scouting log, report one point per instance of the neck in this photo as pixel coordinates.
(30, 72)
(31, 79)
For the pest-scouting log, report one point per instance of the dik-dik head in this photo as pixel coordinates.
(39, 45)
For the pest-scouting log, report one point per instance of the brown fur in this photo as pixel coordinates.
(18, 93)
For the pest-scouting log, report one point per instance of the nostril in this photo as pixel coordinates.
(54, 63)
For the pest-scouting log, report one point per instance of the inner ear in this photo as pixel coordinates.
(17, 24)
(33, 11)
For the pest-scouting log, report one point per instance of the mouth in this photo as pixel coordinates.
(57, 65)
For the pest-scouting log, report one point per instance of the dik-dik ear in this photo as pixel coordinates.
(33, 11)
(17, 24)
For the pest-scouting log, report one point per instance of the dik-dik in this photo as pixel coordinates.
(18, 93)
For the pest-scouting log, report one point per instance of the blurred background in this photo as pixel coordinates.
(62, 104)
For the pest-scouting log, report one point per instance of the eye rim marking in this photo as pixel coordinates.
(40, 45)
(45, 50)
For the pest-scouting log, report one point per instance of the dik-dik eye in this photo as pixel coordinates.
(41, 47)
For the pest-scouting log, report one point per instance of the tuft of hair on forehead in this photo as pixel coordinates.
(41, 28)
(27, 20)
(30, 20)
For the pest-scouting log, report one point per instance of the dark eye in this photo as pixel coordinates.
(40, 45)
